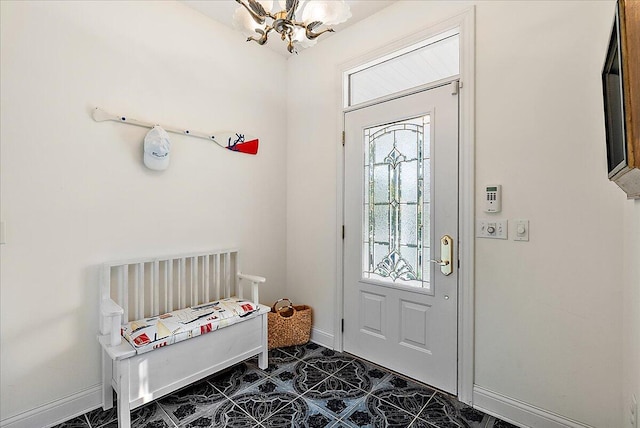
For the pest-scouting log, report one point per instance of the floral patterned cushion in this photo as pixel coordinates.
(151, 333)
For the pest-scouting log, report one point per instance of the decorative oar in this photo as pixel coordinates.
(234, 141)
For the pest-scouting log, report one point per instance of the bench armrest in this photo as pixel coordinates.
(109, 308)
(255, 280)
(111, 314)
(252, 278)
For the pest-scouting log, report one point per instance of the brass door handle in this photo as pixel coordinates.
(446, 255)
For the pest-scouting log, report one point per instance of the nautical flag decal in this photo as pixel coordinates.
(238, 144)
(143, 339)
(206, 328)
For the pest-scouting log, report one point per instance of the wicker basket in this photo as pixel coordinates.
(289, 325)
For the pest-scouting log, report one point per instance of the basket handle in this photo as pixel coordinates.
(286, 307)
(285, 311)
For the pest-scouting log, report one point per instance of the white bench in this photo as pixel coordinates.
(138, 289)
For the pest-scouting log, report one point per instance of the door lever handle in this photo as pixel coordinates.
(446, 253)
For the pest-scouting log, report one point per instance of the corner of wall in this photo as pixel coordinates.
(631, 311)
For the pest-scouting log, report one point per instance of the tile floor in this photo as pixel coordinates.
(304, 386)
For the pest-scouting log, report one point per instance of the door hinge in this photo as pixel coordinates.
(343, 231)
(342, 325)
(455, 87)
(343, 138)
(458, 263)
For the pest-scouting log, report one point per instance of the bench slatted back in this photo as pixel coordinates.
(154, 286)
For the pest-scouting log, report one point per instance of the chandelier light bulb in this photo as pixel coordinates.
(243, 22)
(267, 4)
(328, 11)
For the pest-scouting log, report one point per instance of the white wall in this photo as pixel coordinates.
(548, 321)
(631, 307)
(548, 312)
(75, 192)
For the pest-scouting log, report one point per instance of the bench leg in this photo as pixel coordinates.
(263, 357)
(124, 413)
(107, 375)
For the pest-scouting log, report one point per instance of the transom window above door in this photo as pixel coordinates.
(420, 64)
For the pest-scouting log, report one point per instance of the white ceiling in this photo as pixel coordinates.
(222, 11)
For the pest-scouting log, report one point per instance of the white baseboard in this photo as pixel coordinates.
(519, 413)
(322, 338)
(57, 411)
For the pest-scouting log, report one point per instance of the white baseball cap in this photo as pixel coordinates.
(156, 149)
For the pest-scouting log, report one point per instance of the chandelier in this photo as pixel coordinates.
(299, 22)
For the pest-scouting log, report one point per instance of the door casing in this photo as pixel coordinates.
(465, 22)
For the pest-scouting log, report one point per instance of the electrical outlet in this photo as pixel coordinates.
(633, 411)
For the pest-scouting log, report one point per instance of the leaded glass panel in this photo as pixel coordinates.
(411, 181)
(381, 183)
(408, 224)
(396, 209)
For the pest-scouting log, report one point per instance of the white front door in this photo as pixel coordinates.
(401, 208)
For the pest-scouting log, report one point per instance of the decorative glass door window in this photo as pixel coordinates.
(396, 211)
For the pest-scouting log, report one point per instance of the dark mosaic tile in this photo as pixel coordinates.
(410, 400)
(402, 383)
(302, 351)
(285, 376)
(305, 377)
(283, 364)
(278, 359)
(261, 405)
(280, 355)
(188, 403)
(79, 422)
(299, 413)
(201, 422)
(305, 386)
(149, 416)
(335, 396)
(447, 412)
(498, 423)
(267, 386)
(99, 417)
(330, 363)
(419, 423)
(373, 412)
(408, 395)
(470, 414)
(237, 378)
(362, 375)
(225, 415)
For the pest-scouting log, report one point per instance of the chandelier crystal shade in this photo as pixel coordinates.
(299, 22)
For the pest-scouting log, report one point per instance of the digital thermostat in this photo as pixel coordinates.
(493, 198)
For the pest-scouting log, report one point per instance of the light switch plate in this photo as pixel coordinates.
(520, 230)
(491, 228)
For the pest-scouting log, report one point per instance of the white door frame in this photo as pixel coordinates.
(465, 21)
